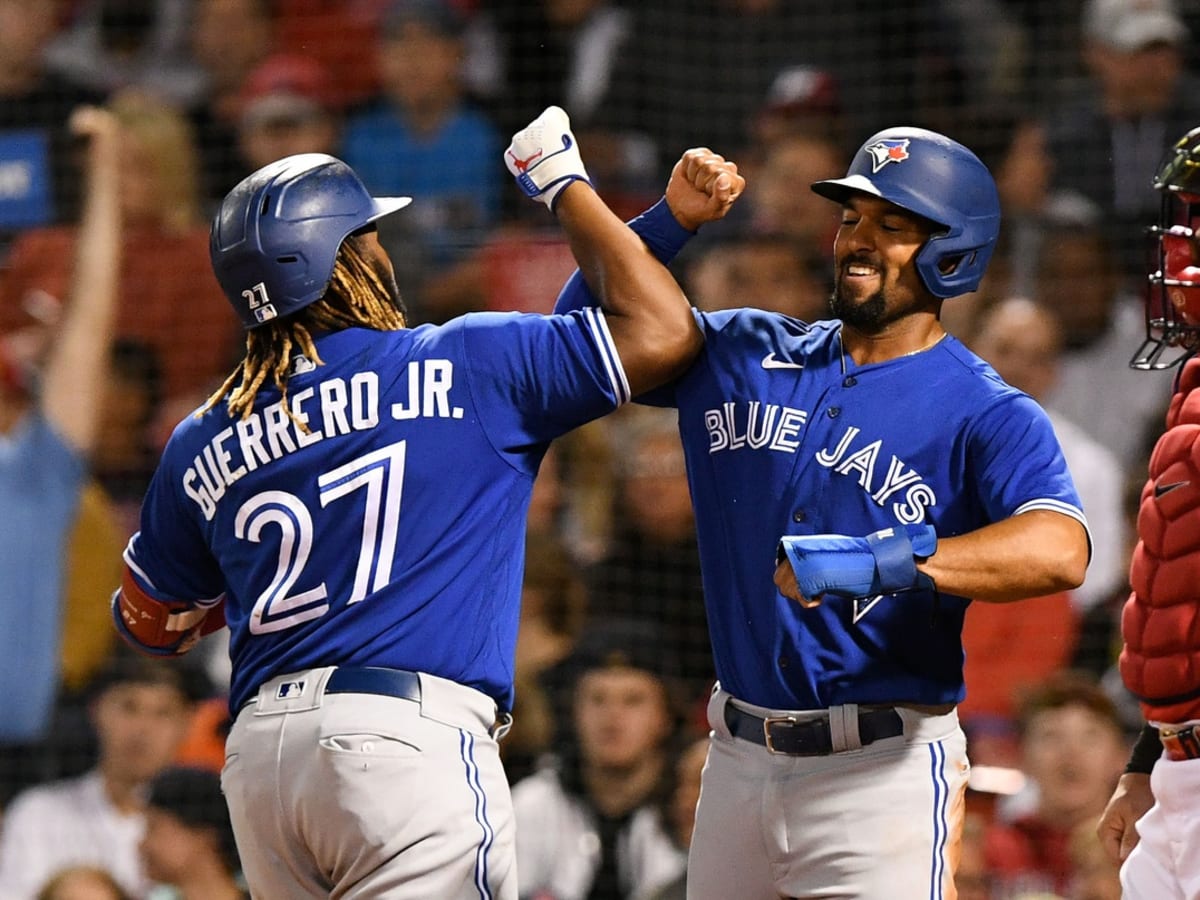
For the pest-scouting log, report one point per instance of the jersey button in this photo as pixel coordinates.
(783, 662)
(850, 381)
(799, 516)
(833, 412)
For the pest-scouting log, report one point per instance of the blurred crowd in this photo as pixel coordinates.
(1071, 103)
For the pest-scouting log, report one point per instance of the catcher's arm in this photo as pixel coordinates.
(162, 627)
(1129, 802)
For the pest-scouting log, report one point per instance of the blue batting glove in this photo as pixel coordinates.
(544, 157)
(880, 563)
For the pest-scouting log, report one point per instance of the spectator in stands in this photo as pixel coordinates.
(680, 809)
(651, 572)
(592, 825)
(82, 883)
(337, 34)
(767, 271)
(779, 200)
(1118, 122)
(720, 57)
(35, 104)
(421, 138)
(125, 456)
(167, 289)
(110, 45)
(1095, 876)
(1073, 749)
(1023, 341)
(800, 100)
(50, 402)
(229, 39)
(972, 879)
(553, 607)
(575, 53)
(1077, 277)
(140, 712)
(286, 108)
(188, 843)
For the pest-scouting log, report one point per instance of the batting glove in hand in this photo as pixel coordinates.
(880, 563)
(544, 157)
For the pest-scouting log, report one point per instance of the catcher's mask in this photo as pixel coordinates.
(929, 174)
(275, 238)
(1173, 289)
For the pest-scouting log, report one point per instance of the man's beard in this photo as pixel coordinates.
(868, 316)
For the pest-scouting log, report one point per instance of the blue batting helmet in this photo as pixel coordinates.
(275, 238)
(928, 174)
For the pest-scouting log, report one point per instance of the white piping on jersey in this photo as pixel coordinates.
(1059, 507)
(608, 352)
(127, 556)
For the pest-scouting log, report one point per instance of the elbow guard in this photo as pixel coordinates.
(158, 627)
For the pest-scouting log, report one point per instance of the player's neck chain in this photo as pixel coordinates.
(929, 346)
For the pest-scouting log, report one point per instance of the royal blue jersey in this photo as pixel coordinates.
(784, 434)
(391, 533)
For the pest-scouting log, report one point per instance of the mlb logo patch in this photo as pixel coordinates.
(887, 151)
(290, 690)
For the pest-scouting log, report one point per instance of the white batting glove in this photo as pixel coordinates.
(544, 157)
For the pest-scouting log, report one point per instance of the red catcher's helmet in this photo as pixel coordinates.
(1173, 294)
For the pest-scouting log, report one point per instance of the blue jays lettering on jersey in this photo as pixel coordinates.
(466, 411)
(772, 401)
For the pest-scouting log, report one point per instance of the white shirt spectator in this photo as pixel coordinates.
(558, 847)
(1100, 480)
(66, 823)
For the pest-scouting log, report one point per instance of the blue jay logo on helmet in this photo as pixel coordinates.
(280, 230)
(941, 180)
(884, 152)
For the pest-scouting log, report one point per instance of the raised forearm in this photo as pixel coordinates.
(1031, 555)
(73, 378)
(649, 316)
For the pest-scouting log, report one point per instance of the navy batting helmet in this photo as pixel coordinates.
(275, 238)
(928, 174)
(1173, 295)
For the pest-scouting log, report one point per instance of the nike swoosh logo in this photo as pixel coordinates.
(1160, 489)
(770, 362)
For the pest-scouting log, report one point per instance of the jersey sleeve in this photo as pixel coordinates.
(534, 377)
(1020, 463)
(169, 556)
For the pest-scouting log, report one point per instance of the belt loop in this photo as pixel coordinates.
(504, 722)
(843, 728)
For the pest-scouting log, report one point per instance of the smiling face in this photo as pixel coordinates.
(876, 281)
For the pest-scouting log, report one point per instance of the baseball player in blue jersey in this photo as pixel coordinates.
(352, 503)
(904, 477)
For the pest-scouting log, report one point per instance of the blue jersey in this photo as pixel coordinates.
(391, 533)
(784, 434)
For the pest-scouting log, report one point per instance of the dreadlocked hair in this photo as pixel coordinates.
(357, 296)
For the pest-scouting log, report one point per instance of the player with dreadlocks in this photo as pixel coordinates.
(353, 501)
(359, 295)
